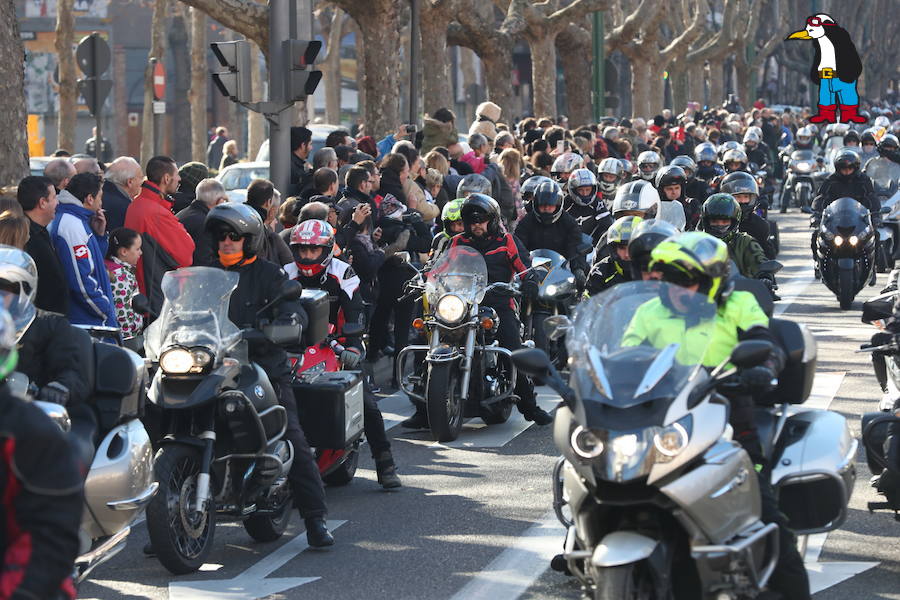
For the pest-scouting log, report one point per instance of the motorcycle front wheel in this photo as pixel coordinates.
(443, 403)
(846, 287)
(627, 582)
(181, 537)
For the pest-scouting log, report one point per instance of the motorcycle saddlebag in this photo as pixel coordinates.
(796, 379)
(318, 309)
(330, 408)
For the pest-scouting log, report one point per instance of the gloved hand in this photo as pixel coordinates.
(580, 278)
(814, 220)
(399, 245)
(882, 338)
(529, 288)
(54, 392)
(350, 358)
(758, 379)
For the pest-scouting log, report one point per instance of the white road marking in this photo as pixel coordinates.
(395, 408)
(252, 583)
(793, 289)
(520, 565)
(827, 574)
(476, 434)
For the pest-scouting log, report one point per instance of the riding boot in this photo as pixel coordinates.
(849, 114)
(827, 114)
(419, 420)
(387, 470)
(317, 534)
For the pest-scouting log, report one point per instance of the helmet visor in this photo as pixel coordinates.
(20, 308)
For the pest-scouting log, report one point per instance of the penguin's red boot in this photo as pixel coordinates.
(827, 114)
(849, 114)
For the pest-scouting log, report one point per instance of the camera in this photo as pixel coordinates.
(409, 129)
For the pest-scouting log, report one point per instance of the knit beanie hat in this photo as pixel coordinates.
(192, 173)
(488, 110)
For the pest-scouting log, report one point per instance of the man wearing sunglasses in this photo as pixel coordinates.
(697, 266)
(238, 231)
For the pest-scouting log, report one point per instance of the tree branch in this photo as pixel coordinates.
(246, 17)
(630, 26)
(576, 11)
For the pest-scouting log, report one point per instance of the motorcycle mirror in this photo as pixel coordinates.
(557, 326)
(770, 266)
(750, 353)
(140, 304)
(534, 362)
(353, 329)
(290, 290)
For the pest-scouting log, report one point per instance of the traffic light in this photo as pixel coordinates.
(235, 82)
(301, 82)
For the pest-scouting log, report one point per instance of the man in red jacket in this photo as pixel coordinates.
(166, 243)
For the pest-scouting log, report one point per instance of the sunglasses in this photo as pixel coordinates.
(477, 219)
(228, 235)
(816, 22)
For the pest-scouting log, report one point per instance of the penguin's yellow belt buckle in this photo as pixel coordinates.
(826, 73)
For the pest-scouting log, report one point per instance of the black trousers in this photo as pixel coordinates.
(373, 422)
(509, 337)
(306, 483)
(392, 280)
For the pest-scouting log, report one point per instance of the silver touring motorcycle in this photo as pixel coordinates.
(658, 501)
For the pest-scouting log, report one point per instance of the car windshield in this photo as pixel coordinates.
(195, 312)
(239, 178)
(639, 341)
(461, 270)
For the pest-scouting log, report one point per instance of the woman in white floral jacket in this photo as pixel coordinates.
(121, 262)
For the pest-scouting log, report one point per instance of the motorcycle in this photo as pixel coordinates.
(557, 294)
(467, 373)
(845, 250)
(222, 454)
(656, 498)
(804, 174)
(885, 176)
(329, 399)
(120, 482)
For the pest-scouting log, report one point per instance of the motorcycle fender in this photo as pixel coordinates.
(442, 353)
(622, 548)
(845, 263)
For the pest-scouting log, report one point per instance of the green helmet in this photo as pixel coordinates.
(620, 231)
(451, 212)
(693, 257)
(720, 206)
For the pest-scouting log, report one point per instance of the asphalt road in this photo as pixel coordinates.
(473, 521)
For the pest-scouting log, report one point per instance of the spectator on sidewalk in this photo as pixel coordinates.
(37, 196)
(123, 183)
(59, 171)
(214, 150)
(210, 193)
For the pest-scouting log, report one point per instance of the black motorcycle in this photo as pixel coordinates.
(804, 173)
(557, 294)
(222, 452)
(845, 250)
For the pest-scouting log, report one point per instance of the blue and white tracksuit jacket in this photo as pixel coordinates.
(81, 253)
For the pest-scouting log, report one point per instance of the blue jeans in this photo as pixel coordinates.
(835, 91)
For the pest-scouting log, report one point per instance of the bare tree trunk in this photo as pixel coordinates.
(543, 75)
(436, 83)
(331, 67)
(681, 86)
(498, 76)
(180, 77)
(467, 66)
(640, 99)
(716, 81)
(68, 92)
(197, 95)
(157, 49)
(577, 58)
(14, 141)
(256, 125)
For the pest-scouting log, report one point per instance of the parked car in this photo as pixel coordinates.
(319, 133)
(36, 164)
(236, 178)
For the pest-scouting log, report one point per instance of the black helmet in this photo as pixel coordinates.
(741, 182)
(670, 175)
(867, 137)
(645, 237)
(547, 194)
(851, 136)
(846, 158)
(888, 143)
(240, 218)
(720, 206)
(479, 208)
(687, 163)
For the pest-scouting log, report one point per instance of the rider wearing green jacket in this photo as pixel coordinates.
(720, 216)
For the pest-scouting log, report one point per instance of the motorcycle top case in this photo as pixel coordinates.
(318, 309)
(330, 408)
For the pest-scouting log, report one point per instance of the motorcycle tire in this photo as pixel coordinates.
(268, 528)
(845, 285)
(183, 551)
(498, 414)
(345, 473)
(805, 201)
(442, 401)
(626, 582)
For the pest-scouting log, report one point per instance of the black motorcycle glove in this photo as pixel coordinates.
(580, 278)
(882, 338)
(758, 380)
(54, 392)
(814, 220)
(530, 288)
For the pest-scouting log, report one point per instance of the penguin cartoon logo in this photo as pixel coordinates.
(836, 67)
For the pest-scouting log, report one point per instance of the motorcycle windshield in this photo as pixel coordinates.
(845, 216)
(194, 312)
(640, 342)
(803, 155)
(884, 174)
(556, 280)
(672, 212)
(461, 271)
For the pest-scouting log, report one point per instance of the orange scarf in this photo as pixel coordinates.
(230, 260)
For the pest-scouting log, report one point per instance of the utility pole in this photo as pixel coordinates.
(414, 60)
(280, 122)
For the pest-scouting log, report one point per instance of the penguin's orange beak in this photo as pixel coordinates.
(799, 35)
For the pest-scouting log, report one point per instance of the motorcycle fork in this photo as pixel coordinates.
(208, 436)
(467, 363)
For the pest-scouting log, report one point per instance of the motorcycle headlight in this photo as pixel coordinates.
(586, 443)
(853, 240)
(838, 240)
(451, 308)
(670, 441)
(181, 361)
(551, 290)
(803, 166)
